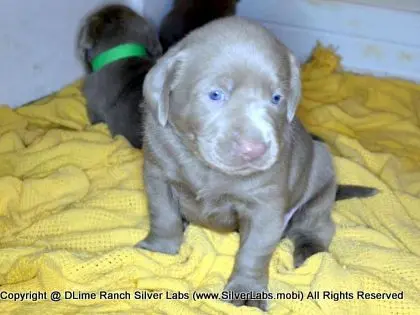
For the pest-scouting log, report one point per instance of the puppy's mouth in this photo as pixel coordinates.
(235, 164)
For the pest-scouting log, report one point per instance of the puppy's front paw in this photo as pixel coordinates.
(241, 291)
(162, 245)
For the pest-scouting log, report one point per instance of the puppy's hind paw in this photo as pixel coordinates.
(304, 251)
(161, 245)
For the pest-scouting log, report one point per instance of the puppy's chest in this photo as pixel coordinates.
(204, 188)
(207, 195)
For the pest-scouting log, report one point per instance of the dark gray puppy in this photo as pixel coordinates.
(188, 15)
(117, 47)
(225, 150)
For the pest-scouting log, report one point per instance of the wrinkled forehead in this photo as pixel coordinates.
(268, 63)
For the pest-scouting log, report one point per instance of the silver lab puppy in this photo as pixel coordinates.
(224, 150)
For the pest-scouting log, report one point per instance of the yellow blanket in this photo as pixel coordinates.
(72, 206)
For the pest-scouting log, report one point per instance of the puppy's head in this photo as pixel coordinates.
(187, 15)
(229, 89)
(111, 26)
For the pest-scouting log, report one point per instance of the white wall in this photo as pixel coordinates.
(370, 39)
(407, 5)
(37, 37)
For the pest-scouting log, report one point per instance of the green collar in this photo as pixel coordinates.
(117, 53)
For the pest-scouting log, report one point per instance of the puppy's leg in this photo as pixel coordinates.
(94, 117)
(312, 228)
(260, 232)
(166, 224)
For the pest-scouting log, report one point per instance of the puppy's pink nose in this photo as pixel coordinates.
(251, 150)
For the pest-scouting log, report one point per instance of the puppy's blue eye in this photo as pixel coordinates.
(275, 99)
(216, 95)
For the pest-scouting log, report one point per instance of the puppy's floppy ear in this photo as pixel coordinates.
(83, 44)
(86, 40)
(295, 87)
(89, 31)
(161, 80)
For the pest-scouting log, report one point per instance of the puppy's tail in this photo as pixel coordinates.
(354, 191)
